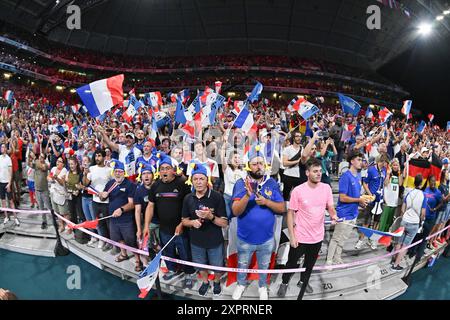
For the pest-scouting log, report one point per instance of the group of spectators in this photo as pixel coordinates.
(224, 184)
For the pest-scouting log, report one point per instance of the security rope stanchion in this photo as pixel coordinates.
(59, 250)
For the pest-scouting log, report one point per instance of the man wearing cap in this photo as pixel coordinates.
(204, 213)
(256, 201)
(128, 153)
(120, 193)
(141, 202)
(166, 203)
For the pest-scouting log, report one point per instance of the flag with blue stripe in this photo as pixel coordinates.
(349, 105)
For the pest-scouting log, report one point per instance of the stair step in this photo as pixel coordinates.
(28, 245)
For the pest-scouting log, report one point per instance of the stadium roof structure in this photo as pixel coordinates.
(331, 30)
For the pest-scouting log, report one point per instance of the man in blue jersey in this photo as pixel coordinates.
(347, 209)
(378, 176)
(256, 200)
(434, 203)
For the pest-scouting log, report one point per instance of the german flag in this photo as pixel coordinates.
(424, 167)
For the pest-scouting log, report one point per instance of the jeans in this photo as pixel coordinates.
(181, 244)
(43, 201)
(228, 204)
(263, 255)
(100, 211)
(88, 210)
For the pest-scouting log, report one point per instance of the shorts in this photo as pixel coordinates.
(212, 257)
(61, 209)
(4, 193)
(409, 233)
(368, 216)
(125, 232)
(30, 185)
(443, 215)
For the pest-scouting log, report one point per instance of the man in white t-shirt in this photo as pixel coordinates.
(291, 158)
(97, 178)
(413, 212)
(6, 183)
(128, 153)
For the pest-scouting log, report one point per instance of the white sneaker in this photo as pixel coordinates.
(238, 291)
(91, 243)
(6, 220)
(263, 294)
(17, 222)
(359, 244)
(100, 244)
(373, 245)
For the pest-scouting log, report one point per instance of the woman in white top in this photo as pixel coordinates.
(58, 192)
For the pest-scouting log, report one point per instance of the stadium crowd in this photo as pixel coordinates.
(224, 184)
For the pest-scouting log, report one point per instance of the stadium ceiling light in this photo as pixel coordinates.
(73, 90)
(446, 12)
(7, 76)
(425, 28)
(439, 18)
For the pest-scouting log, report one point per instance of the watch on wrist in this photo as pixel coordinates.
(122, 209)
(213, 218)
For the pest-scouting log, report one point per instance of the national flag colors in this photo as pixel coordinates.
(133, 107)
(100, 96)
(431, 117)
(406, 109)
(218, 86)
(307, 109)
(424, 167)
(154, 99)
(148, 277)
(448, 126)
(421, 127)
(245, 121)
(349, 105)
(257, 90)
(384, 114)
(383, 238)
(8, 96)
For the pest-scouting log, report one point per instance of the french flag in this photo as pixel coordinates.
(133, 107)
(8, 96)
(245, 122)
(431, 117)
(384, 115)
(406, 109)
(294, 105)
(184, 95)
(100, 96)
(155, 99)
(238, 106)
(448, 126)
(307, 110)
(76, 108)
(383, 238)
(148, 277)
(421, 127)
(369, 114)
(153, 132)
(91, 190)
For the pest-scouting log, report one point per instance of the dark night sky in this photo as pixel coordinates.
(424, 71)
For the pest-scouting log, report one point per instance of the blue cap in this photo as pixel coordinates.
(167, 160)
(118, 165)
(254, 152)
(199, 169)
(147, 168)
(445, 161)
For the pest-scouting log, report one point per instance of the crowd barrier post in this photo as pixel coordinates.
(59, 250)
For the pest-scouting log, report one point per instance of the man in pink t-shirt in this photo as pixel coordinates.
(305, 220)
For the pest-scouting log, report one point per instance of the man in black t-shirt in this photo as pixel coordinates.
(166, 202)
(204, 212)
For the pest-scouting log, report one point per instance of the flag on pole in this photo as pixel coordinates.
(245, 121)
(8, 96)
(349, 105)
(102, 95)
(369, 114)
(257, 90)
(431, 117)
(406, 109)
(148, 277)
(384, 115)
(133, 107)
(153, 132)
(307, 109)
(154, 99)
(383, 238)
(421, 127)
(90, 224)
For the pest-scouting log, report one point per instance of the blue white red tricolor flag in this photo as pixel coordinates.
(406, 109)
(8, 96)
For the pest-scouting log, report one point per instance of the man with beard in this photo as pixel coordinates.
(97, 178)
(305, 221)
(166, 203)
(291, 160)
(256, 200)
(347, 207)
